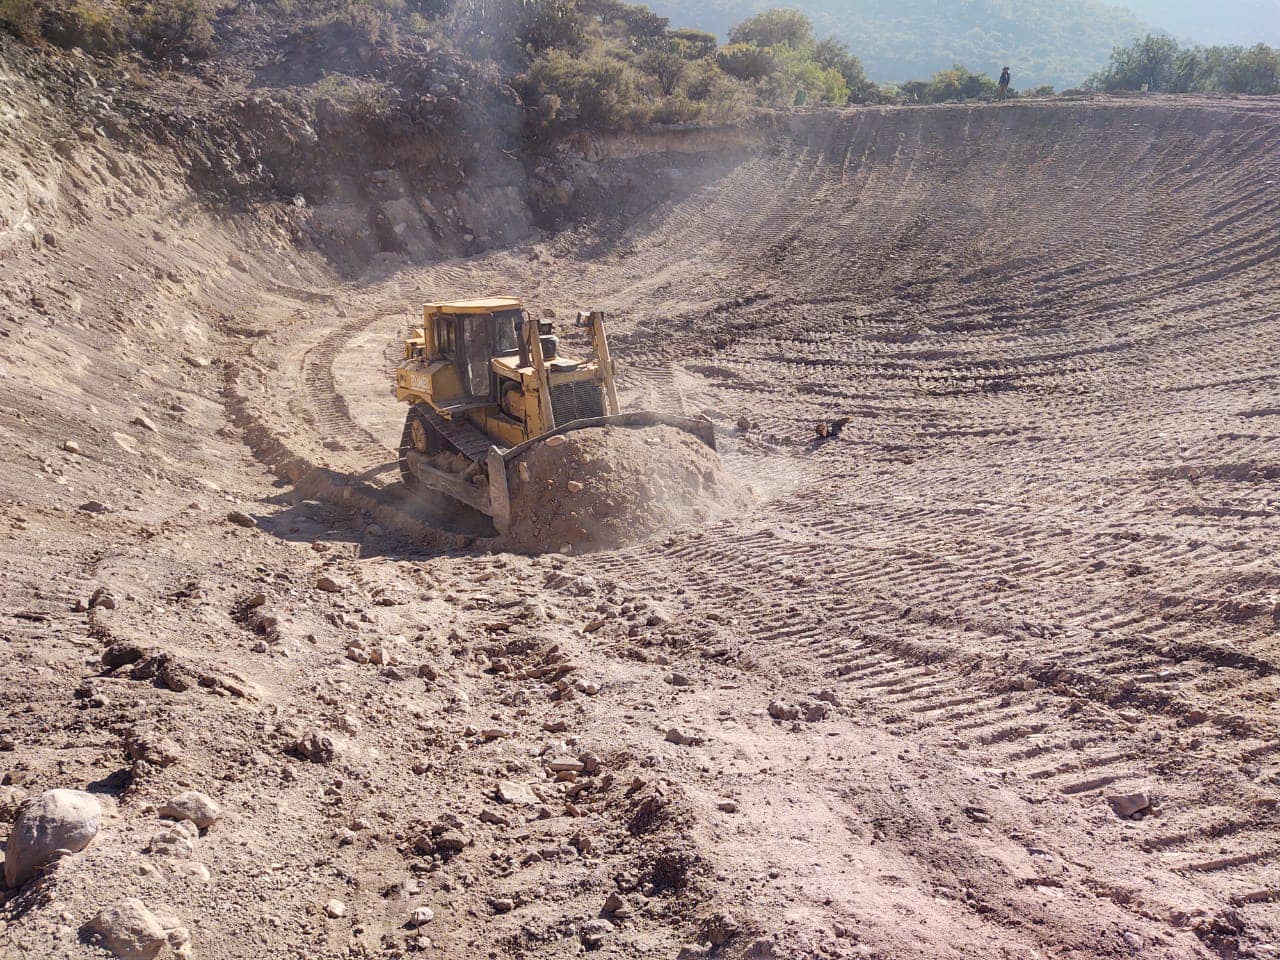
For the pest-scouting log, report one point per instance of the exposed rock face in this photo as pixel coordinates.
(56, 821)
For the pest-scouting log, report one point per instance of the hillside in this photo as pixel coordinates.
(1045, 42)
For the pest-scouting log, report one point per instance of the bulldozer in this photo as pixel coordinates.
(485, 381)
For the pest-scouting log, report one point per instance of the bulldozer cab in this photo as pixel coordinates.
(471, 340)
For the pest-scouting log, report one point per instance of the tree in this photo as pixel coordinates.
(1155, 61)
(959, 83)
(666, 66)
(834, 55)
(694, 44)
(1255, 70)
(775, 28)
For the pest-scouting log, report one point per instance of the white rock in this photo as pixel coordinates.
(420, 916)
(56, 821)
(129, 930)
(520, 794)
(192, 805)
(335, 909)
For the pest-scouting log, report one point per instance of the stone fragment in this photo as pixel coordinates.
(317, 747)
(685, 740)
(328, 584)
(520, 794)
(11, 800)
(595, 932)
(192, 805)
(782, 710)
(53, 824)
(149, 746)
(335, 909)
(241, 519)
(128, 930)
(120, 654)
(1127, 804)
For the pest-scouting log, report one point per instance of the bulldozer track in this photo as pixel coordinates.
(1044, 544)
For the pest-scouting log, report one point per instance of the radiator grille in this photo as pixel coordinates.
(576, 401)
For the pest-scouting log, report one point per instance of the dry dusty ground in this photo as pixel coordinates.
(1037, 568)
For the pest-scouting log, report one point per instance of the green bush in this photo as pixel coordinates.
(694, 44)
(800, 79)
(598, 90)
(677, 109)
(834, 55)
(774, 28)
(634, 20)
(171, 29)
(512, 28)
(959, 83)
(746, 61)
(667, 68)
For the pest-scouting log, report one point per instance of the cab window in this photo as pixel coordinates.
(446, 332)
(507, 331)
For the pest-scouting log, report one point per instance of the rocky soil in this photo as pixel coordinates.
(987, 671)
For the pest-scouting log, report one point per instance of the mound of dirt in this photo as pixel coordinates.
(609, 486)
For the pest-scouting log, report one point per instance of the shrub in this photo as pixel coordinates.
(22, 19)
(747, 62)
(677, 109)
(834, 55)
(959, 83)
(694, 44)
(773, 28)
(518, 27)
(667, 67)
(633, 19)
(801, 79)
(598, 90)
(92, 26)
(369, 102)
(171, 29)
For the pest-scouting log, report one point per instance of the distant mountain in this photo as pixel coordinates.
(1226, 21)
(1044, 41)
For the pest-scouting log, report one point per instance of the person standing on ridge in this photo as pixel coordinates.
(1004, 84)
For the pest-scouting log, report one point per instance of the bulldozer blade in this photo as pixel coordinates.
(700, 427)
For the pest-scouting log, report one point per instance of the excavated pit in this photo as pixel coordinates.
(607, 487)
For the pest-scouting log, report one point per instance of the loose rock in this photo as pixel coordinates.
(317, 747)
(128, 929)
(56, 821)
(1127, 804)
(194, 806)
(520, 794)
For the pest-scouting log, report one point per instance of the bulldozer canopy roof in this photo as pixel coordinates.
(478, 305)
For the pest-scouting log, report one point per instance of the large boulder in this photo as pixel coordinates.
(53, 824)
(128, 929)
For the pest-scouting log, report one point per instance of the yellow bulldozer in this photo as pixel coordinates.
(485, 381)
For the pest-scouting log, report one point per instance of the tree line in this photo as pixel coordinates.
(1161, 65)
